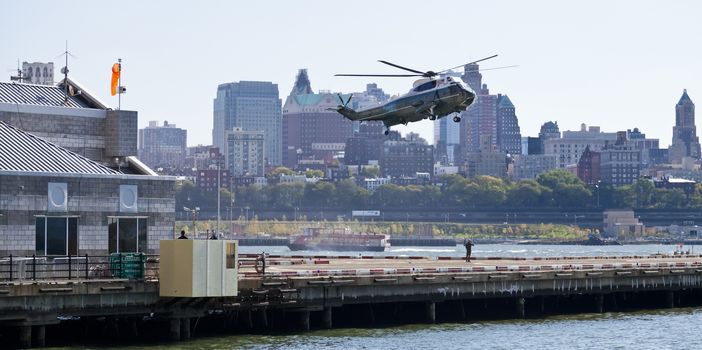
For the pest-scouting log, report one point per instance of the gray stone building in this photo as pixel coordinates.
(77, 122)
(56, 202)
(69, 179)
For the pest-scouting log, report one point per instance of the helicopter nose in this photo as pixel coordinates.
(468, 94)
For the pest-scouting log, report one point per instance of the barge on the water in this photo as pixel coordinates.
(342, 240)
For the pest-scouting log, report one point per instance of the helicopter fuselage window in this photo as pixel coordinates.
(426, 86)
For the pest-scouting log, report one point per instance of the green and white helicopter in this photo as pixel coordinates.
(435, 96)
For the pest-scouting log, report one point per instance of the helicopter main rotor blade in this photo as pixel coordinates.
(493, 68)
(379, 75)
(465, 64)
(401, 67)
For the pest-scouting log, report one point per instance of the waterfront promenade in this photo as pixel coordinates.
(304, 292)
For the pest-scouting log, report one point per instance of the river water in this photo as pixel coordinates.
(652, 329)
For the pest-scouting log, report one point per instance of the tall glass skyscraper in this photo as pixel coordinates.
(447, 140)
(250, 106)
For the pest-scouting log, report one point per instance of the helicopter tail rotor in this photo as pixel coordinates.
(341, 99)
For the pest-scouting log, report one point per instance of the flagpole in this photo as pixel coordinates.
(119, 85)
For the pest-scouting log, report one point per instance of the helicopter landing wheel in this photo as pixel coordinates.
(457, 119)
(387, 132)
(432, 117)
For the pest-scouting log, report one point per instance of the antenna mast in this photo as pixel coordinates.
(64, 70)
(19, 76)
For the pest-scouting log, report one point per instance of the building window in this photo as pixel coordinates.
(56, 235)
(127, 234)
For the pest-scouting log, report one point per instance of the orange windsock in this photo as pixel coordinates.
(116, 69)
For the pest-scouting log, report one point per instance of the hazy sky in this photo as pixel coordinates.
(617, 64)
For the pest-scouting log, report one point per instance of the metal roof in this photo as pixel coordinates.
(39, 95)
(22, 151)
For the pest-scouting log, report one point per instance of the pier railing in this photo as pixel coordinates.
(136, 266)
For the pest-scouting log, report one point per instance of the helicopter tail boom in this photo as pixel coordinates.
(346, 112)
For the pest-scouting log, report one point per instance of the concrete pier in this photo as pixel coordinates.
(301, 293)
(174, 329)
(260, 319)
(599, 303)
(25, 336)
(39, 336)
(185, 328)
(519, 307)
(303, 318)
(327, 318)
(430, 312)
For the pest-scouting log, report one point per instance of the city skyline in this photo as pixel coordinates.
(619, 66)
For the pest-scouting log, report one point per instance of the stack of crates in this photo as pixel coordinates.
(127, 265)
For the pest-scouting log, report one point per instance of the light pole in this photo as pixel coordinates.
(193, 213)
(219, 202)
(597, 188)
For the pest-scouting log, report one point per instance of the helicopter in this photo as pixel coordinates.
(434, 96)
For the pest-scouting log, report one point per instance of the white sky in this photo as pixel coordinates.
(616, 64)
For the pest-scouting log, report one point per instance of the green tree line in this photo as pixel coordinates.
(552, 189)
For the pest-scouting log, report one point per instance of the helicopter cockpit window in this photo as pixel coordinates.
(426, 86)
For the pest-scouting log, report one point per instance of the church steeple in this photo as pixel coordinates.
(302, 84)
(684, 98)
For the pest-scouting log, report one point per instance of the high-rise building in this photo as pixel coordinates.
(310, 129)
(685, 140)
(250, 106)
(509, 137)
(447, 140)
(488, 160)
(620, 161)
(245, 152)
(203, 157)
(38, 73)
(569, 148)
(480, 120)
(366, 145)
(163, 146)
(529, 166)
(407, 157)
(589, 166)
(490, 115)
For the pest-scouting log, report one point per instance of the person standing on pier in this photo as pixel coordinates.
(469, 248)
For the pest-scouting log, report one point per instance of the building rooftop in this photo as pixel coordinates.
(684, 98)
(504, 102)
(46, 95)
(22, 151)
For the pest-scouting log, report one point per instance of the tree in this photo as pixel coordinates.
(370, 172)
(320, 194)
(455, 190)
(566, 189)
(286, 196)
(314, 173)
(351, 196)
(491, 191)
(527, 193)
(281, 170)
(670, 198)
